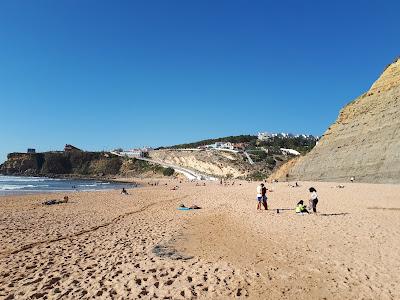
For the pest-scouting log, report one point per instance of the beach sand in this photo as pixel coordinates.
(113, 246)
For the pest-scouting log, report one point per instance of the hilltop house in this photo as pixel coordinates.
(69, 148)
(31, 151)
(222, 145)
(137, 153)
(264, 136)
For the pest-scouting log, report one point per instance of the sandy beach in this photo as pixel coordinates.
(105, 245)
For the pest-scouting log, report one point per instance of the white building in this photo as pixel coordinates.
(222, 145)
(264, 136)
(290, 151)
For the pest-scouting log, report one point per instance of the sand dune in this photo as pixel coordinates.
(106, 245)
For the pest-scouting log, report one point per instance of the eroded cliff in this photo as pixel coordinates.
(364, 142)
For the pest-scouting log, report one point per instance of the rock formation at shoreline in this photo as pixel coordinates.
(364, 142)
(77, 164)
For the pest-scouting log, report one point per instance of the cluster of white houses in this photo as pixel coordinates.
(137, 152)
(225, 146)
(264, 136)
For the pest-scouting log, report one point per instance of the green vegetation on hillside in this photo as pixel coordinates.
(232, 139)
(273, 145)
(300, 144)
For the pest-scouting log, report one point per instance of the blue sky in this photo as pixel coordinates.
(105, 74)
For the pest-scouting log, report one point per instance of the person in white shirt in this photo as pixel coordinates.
(259, 196)
(313, 199)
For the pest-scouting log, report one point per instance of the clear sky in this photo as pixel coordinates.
(105, 74)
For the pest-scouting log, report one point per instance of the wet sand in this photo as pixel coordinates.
(113, 246)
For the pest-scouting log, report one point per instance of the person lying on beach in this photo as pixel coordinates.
(183, 207)
(301, 208)
(124, 191)
(52, 202)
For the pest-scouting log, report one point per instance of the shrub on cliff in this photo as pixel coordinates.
(56, 163)
(168, 172)
(81, 161)
(109, 166)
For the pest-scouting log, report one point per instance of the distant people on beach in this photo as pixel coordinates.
(261, 196)
(352, 179)
(313, 199)
(301, 208)
(124, 191)
(294, 185)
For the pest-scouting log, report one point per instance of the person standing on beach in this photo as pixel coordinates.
(259, 196)
(264, 196)
(313, 199)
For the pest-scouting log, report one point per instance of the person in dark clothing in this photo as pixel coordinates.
(264, 197)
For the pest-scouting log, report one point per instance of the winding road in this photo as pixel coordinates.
(188, 173)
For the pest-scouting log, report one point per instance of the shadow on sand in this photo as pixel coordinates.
(385, 208)
(335, 214)
(278, 210)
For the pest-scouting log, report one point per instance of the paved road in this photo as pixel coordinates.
(190, 174)
(249, 158)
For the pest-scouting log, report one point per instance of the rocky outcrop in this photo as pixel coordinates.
(364, 142)
(22, 164)
(76, 164)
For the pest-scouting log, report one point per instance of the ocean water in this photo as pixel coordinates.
(11, 185)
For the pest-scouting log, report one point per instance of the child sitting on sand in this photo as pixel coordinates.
(301, 208)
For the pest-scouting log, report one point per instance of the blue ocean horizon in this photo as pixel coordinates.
(15, 185)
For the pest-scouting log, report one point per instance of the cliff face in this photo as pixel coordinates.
(364, 142)
(75, 163)
(57, 163)
(22, 164)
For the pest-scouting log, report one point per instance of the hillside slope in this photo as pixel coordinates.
(364, 142)
(218, 163)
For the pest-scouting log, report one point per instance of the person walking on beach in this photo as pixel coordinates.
(313, 199)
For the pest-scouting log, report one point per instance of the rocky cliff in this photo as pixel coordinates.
(22, 164)
(364, 142)
(76, 164)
